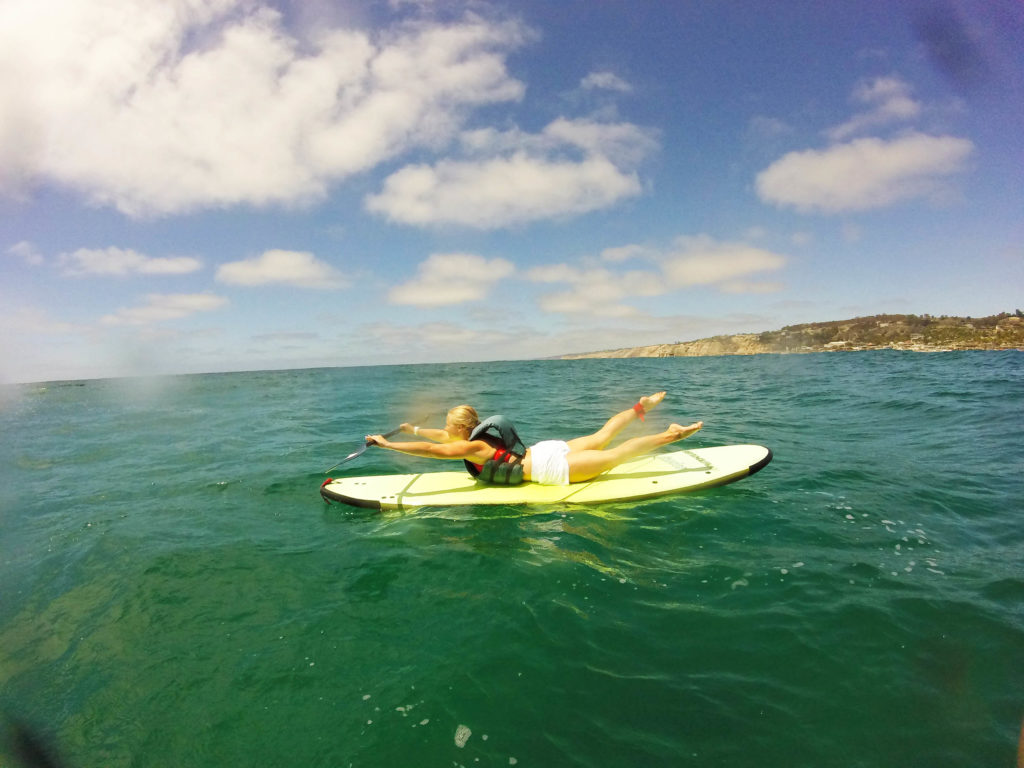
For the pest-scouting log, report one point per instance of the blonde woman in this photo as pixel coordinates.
(550, 462)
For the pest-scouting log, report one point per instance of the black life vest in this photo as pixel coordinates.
(506, 467)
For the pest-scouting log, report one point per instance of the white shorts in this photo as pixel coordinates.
(549, 465)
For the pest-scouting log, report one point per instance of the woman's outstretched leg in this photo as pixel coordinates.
(588, 464)
(600, 439)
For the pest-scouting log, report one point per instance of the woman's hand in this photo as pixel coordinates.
(378, 440)
(406, 427)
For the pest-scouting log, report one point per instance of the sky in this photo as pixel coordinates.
(193, 186)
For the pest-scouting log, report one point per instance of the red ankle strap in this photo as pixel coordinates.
(639, 411)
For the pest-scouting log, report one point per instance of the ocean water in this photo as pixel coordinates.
(175, 592)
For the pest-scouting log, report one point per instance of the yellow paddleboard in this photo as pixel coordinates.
(656, 474)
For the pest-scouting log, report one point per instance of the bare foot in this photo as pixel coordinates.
(678, 432)
(651, 401)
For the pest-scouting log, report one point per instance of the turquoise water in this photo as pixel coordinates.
(176, 593)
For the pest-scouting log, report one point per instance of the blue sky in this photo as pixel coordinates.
(212, 185)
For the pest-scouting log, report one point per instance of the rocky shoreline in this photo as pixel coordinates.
(916, 333)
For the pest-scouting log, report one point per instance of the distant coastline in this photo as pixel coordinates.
(917, 333)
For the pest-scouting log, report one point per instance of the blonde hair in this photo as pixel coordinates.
(464, 416)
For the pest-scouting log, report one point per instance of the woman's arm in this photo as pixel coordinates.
(474, 450)
(437, 435)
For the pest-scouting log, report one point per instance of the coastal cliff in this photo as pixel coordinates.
(920, 333)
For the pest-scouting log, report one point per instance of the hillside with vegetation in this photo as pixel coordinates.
(920, 333)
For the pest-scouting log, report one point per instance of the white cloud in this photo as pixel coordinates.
(624, 253)
(160, 307)
(445, 279)
(571, 167)
(702, 260)
(124, 261)
(28, 321)
(750, 286)
(864, 173)
(501, 192)
(608, 81)
(687, 263)
(27, 252)
(426, 339)
(594, 290)
(887, 100)
(624, 143)
(165, 107)
(277, 267)
(769, 127)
